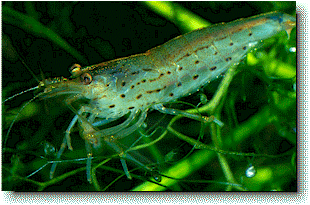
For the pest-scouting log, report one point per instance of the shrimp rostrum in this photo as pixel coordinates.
(133, 85)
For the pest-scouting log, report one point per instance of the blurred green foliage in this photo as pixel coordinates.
(258, 108)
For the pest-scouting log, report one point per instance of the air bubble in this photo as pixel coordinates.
(250, 172)
(49, 149)
(292, 49)
(156, 176)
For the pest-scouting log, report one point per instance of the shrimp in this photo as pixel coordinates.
(130, 87)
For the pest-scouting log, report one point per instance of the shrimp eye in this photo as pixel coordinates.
(75, 68)
(86, 78)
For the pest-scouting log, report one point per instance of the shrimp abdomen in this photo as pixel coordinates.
(241, 31)
(184, 64)
(200, 56)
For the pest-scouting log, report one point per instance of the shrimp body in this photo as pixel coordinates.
(175, 69)
(162, 74)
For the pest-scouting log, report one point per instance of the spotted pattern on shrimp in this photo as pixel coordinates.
(165, 73)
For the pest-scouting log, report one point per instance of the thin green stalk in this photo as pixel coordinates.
(221, 91)
(23, 21)
(199, 159)
(180, 16)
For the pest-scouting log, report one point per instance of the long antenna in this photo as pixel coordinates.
(35, 77)
(7, 135)
(30, 89)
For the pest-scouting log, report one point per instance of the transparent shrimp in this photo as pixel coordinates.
(129, 87)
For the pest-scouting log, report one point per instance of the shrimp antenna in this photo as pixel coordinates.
(44, 83)
(41, 73)
(30, 89)
(7, 135)
(23, 62)
(35, 77)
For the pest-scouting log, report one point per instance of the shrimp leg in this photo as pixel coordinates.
(131, 129)
(67, 140)
(59, 153)
(93, 137)
(103, 122)
(124, 155)
(117, 128)
(88, 161)
(171, 111)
